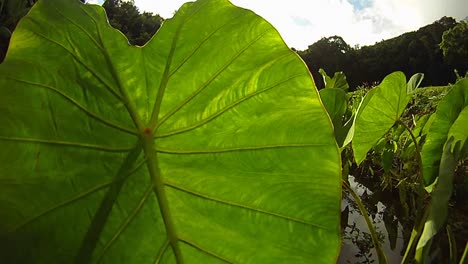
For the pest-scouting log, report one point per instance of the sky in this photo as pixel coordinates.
(359, 22)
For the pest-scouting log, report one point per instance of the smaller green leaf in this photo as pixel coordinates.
(421, 123)
(387, 159)
(460, 134)
(338, 81)
(414, 82)
(326, 78)
(346, 133)
(381, 108)
(334, 101)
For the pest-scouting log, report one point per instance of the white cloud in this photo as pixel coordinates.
(303, 22)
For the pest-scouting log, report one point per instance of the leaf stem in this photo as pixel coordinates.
(160, 192)
(465, 254)
(375, 239)
(418, 152)
(415, 234)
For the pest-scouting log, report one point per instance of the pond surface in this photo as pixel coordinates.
(357, 246)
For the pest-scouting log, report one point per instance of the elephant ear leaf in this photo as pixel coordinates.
(449, 110)
(380, 110)
(190, 149)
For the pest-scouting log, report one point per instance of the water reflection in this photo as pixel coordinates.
(357, 246)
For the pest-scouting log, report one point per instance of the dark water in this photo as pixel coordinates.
(357, 246)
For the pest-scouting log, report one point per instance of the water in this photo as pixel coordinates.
(357, 245)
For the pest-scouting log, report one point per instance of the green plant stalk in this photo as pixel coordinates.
(418, 151)
(452, 245)
(375, 240)
(463, 259)
(415, 234)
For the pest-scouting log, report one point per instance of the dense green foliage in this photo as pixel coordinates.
(126, 154)
(454, 46)
(137, 27)
(398, 152)
(123, 15)
(394, 123)
(11, 11)
(410, 53)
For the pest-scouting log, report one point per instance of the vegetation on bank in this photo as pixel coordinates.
(196, 161)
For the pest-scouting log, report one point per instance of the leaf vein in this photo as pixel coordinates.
(246, 148)
(201, 249)
(243, 206)
(78, 105)
(224, 110)
(60, 205)
(209, 81)
(126, 223)
(99, 78)
(66, 144)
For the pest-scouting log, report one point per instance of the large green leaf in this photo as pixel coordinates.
(446, 114)
(454, 149)
(208, 144)
(379, 111)
(440, 197)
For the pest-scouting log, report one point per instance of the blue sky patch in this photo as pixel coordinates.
(360, 4)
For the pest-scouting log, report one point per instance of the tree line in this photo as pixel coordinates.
(438, 50)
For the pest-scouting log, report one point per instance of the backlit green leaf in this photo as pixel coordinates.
(459, 132)
(338, 81)
(335, 103)
(441, 121)
(414, 82)
(379, 111)
(439, 201)
(207, 145)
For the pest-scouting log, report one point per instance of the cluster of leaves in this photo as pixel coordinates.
(137, 27)
(392, 136)
(454, 46)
